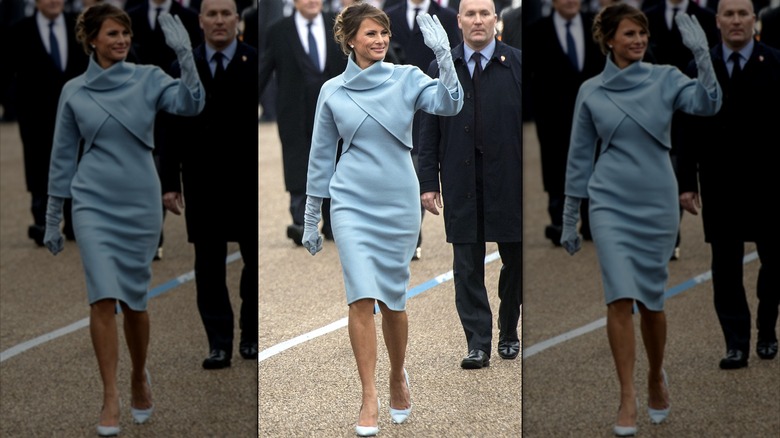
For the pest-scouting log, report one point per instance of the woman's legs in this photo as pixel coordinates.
(654, 337)
(395, 330)
(620, 331)
(136, 325)
(362, 336)
(102, 329)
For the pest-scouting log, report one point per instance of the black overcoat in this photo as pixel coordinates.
(447, 152)
(213, 156)
(37, 86)
(733, 153)
(299, 86)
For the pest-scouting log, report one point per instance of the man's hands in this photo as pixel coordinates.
(431, 200)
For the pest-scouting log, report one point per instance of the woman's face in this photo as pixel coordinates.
(629, 43)
(112, 43)
(370, 43)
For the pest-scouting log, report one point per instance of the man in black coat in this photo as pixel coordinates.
(770, 27)
(728, 169)
(214, 161)
(553, 80)
(38, 80)
(477, 156)
(299, 83)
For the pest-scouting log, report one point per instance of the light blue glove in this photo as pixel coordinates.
(436, 38)
(52, 238)
(178, 39)
(570, 240)
(311, 219)
(694, 39)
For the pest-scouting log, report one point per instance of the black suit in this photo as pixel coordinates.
(666, 44)
(482, 191)
(299, 86)
(215, 154)
(553, 83)
(733, 156)
(38, 83)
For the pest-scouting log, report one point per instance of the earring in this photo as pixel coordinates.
(351, 46)
(92, 45)
(609, 46)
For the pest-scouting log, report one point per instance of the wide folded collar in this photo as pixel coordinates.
(356, 78)
(615, 78)
(99, 78)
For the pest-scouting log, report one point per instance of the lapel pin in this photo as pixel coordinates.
(243, 58)
(503, 58)
(761, 58)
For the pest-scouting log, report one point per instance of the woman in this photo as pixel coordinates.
(634, 210)
(375, 205)
(109, 110)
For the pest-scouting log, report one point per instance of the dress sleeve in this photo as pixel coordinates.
(176, 98)
(324, 145)
(582, 149)
(435, 98)
(65, 150)
(692, 97)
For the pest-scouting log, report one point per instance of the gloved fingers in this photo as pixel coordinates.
(423, 20)
(55, 245)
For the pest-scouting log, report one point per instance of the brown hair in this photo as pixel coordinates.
(606, 23)
(349, 20)
(91, 20)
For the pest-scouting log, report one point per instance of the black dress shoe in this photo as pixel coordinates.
(508, 349)
(248, 350)
(553, 232)
(295, 232)
(475, 360)
(36, 233)
(734, 359)
(766, 349)
(217, 359)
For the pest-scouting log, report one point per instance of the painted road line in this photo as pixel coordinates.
(587, 328)
(159, 290)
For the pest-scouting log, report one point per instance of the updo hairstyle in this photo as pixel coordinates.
(349, 19)
(91, 20)
(606, 23)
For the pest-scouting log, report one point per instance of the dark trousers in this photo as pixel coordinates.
(212, 293)
(471, 297)
(729, 292)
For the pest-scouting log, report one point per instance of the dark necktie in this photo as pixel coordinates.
(736, 69)
(414, 20)
(571, 48)
(475, 78)
(157, 18)
(55, 47)
(313, 53)
(219, 71)
(674, 23)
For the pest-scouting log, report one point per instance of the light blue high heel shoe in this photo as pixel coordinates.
(398, 416)
(657, 416)
(109, 430)
(368, 430)
(625, 430)
(140, 416)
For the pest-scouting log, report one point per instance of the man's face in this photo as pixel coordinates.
(736, 21)
(477, 20)
(567, 8)
(50, 9)
(308, 8)
(219, 21)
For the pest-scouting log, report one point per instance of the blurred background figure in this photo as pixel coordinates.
(269, 12)
(770, 25)
(560, 54)
(302, 53)
(42, 53)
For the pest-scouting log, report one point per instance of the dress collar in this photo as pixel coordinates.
(98, 78)
(615, 78)
(356, 78)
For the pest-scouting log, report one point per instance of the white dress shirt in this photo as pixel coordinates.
(59, 32)
(152, 15)
(410, 10)
(577, 33)
(317, 29)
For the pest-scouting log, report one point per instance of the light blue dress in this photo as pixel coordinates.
(634, 207)
(374, 191)
(117, 215)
